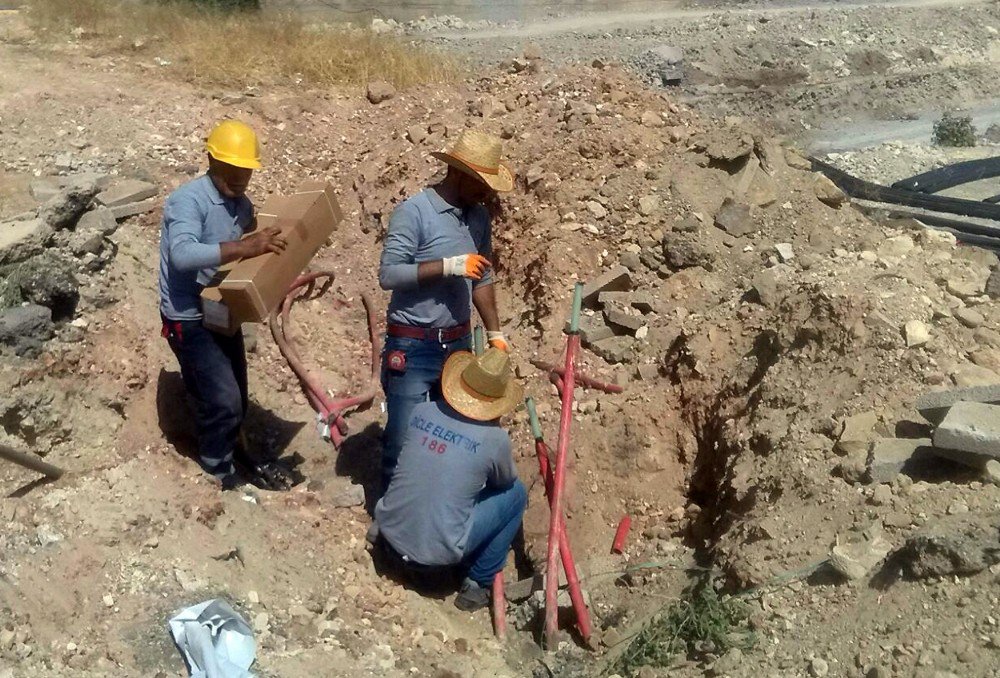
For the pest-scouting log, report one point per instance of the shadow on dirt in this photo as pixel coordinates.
(268, 435)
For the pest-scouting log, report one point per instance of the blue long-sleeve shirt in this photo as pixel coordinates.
(196, 218)
(426, 228)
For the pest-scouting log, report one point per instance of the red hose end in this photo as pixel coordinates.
(618, 545)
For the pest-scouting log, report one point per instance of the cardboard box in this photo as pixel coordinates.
(250, 289)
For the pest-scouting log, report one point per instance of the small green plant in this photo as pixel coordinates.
(952, 130)
(702, 622)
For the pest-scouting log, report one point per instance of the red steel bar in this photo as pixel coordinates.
(499, 608)
(581, 379)
(558, 485)
(618, 545)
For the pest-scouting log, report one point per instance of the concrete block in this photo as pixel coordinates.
(935, 405)
(623, 321)
(613, 350)
(124, 211)
(891, 456)
(617, 279)
(99, 219)
(970, 427)
(126, 192)
(640, 301)
(592, 330)
(970, 459)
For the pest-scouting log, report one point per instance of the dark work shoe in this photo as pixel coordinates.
(472, 597)
(230, 482)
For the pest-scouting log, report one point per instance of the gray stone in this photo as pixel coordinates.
(592, 330)
(734, 218)
(42, 190)
(63, 162)
(916, 333)
(597, 209)
(785, 251)
(640, 301)
(353, 495)
(856, 557)
(826, 191)
(66, 208)
(934, 406)
(991, 471)
(87, 243)
(969, 318)
(613, 350)
(993, 284)
(647, 372)
(25, 328)
(99, 219)
(416, 134)
(617, 279)
(855, 433)
(970, 459)
(631, 261)
(765, 284)
(891, 456)
(22, 239)
(961, 544)
(649, 204)
(682, 249)
(46, 281)
(380, 91)
(623, 321)
(970, 427)
(126, 192)
(124, 211)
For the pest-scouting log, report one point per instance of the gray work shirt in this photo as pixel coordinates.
(196, 218)
(446, 461)
(426, 228)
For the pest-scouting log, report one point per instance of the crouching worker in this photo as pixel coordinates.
(455, 498)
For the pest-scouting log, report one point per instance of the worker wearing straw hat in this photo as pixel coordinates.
(436, 262)
(454, 498)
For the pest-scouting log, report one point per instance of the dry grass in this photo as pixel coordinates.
(239, 48)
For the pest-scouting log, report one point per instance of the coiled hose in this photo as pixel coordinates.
(331, 411)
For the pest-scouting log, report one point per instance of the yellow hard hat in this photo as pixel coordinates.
(234, 143)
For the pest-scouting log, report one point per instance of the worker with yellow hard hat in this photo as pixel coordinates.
(204, 224)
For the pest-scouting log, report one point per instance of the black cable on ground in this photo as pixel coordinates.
(952, 175)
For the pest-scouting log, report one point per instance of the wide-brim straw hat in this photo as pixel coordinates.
(478, 154)
(480, 388)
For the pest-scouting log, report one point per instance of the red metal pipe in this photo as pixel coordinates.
(499, 608)
(582, 379)
(618, 545)
(565, 553)
(558, 485)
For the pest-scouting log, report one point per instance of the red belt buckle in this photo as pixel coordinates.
(396, 361)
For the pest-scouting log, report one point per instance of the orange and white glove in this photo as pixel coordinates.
(466, 266)
(497, 340)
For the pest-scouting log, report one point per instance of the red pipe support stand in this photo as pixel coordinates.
(558, 485)
(565, 553)
(582, 379)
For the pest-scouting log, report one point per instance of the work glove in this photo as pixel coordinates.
(466, 266)
(497, 340)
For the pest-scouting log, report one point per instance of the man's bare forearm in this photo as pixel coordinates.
(484, 298)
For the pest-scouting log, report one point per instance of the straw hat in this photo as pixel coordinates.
(480, 388)
(478, 153)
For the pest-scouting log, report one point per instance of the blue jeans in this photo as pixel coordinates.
(214, 369)
(419, 381)
(495, 520)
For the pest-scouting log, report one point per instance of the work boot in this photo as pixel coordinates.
(373, 533)
(472, 596)
(230, 482)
